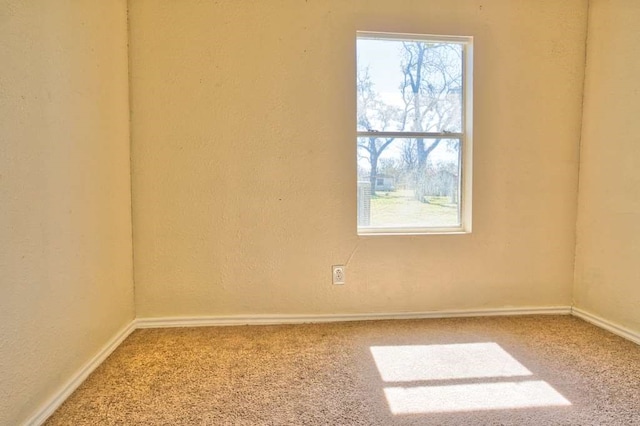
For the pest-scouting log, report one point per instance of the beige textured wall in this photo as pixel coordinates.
(607, 273)
(65, 227)
(244, 158)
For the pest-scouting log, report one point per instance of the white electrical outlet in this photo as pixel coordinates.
(338, 275)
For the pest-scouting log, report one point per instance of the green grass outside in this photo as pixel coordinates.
(401, 208)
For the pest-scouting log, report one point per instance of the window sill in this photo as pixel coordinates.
(369, 232)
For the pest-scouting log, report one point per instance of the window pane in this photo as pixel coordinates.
(408, 183)
(409, 85)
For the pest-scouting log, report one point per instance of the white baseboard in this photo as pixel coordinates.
(207, 321)
(67, 389)
(607, 325)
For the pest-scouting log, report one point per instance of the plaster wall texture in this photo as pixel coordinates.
(607, 272)
(244, 176)
(65, 224)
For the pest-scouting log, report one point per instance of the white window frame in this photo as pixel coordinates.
(465, 136)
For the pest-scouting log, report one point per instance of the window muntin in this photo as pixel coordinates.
(413, 129)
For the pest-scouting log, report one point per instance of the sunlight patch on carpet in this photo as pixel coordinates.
(509, 384)
(445, 362)
(479, 396)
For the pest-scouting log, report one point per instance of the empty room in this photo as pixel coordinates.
(310, 212)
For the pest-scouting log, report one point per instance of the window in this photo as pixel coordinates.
(414, 111)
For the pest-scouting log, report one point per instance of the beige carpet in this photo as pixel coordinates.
(543, 370)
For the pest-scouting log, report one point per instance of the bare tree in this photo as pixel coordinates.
(431, 92)
(373, 115)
